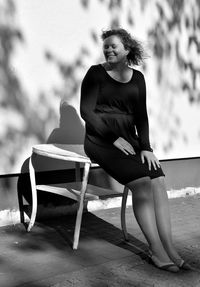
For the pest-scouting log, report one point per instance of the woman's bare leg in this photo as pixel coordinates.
(143, 207)
(162, 214)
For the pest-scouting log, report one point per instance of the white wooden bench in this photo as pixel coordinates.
(78, 190)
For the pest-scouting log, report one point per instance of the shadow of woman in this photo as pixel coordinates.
(70, 131)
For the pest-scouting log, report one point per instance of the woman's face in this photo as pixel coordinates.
(114, 50)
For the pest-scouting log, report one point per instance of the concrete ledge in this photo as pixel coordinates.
(116, 202)
(12, 217)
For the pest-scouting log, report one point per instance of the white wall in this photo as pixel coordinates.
(64, 28)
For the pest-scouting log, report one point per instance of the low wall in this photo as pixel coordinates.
(180, 174)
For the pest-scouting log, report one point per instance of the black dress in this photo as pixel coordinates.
(112, 109)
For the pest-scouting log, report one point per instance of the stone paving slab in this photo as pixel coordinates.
(44, 256)
(124, 272)
(45, 253)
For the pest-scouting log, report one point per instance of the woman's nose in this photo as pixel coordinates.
(109, 49)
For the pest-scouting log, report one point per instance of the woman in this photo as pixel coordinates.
(113, 105)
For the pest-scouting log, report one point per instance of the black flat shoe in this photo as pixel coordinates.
(182, 264)
(169, 266)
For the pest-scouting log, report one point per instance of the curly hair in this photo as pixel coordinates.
(136, 54)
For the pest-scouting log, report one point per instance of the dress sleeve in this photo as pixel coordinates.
(142, 123)
(89, 93)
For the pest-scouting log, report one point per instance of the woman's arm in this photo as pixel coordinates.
(89, 94)
(142, 126)
(142, 123)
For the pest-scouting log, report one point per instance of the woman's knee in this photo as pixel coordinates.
(158, 182)
(141, 184)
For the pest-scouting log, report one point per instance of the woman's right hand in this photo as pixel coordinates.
(124, 146)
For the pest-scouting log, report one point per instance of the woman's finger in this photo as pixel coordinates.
(124, 150)
(129, 148)
(142, 158)
(154, 165)
(131, 151)
(158, 163)
(149, 164)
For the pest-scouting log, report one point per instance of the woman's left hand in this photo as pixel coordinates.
(150, 158)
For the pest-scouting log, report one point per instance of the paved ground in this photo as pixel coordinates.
(44, 256)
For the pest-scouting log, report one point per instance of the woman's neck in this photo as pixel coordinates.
(118, 67)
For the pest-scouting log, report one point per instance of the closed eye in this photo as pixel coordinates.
(107, 46)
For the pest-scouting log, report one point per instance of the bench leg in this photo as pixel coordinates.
(21, 206)
(34, 195)
(81, 205)
(123, 213)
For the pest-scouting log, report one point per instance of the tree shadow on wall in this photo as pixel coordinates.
(70, 131)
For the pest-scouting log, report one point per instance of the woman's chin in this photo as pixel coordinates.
(111, 60)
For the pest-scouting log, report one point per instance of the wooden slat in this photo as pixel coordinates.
(92, 189)
(94, 192)
(71, 190)
(57, 190)
(102, 192)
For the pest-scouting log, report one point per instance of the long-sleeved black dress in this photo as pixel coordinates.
(112, 109)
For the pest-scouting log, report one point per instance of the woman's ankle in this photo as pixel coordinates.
(160, 253)
(172, 253)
